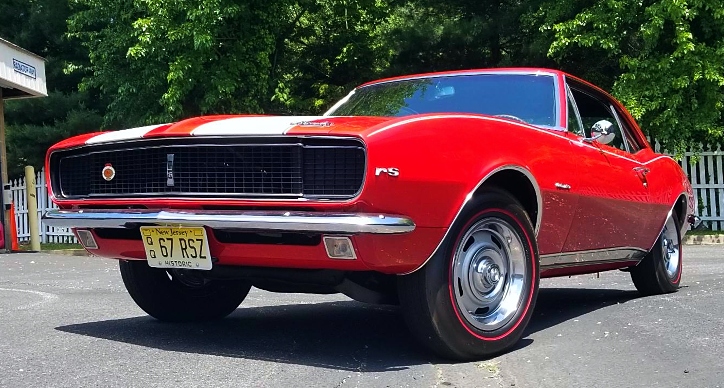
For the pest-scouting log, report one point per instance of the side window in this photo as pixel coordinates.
(626, 131)
(592, 110)
(574, 125)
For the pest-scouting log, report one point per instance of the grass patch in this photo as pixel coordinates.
(704, 232)
(51, 246)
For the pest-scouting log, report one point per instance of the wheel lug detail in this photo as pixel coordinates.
(487, 274)
(493, 275)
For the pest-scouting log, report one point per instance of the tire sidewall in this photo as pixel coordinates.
(451, 325)
(165, 299)
(667, 283)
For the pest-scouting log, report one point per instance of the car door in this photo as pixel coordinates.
(613, 199)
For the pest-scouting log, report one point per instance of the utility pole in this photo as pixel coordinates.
(4, 177)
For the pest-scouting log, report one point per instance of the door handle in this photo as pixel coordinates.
(642, 170)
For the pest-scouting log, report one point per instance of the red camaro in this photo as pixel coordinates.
(451, 194)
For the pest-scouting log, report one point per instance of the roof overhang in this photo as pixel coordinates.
(22, 73)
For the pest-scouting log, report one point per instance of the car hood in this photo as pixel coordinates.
(243, 126)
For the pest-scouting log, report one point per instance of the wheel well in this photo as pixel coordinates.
(680, 210)
(519, 186)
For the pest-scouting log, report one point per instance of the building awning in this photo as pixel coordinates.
(22, 73)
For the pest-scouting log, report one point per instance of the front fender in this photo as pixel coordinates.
(441, 160)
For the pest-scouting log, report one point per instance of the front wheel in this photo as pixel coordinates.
(181, 295)
(475, 296)
(660, 271)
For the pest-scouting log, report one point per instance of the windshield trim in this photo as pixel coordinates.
(463, 74)
(536, 73)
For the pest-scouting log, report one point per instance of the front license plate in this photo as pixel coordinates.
(176, 247)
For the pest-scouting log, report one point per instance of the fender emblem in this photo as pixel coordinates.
(391, 171)
(108, 172)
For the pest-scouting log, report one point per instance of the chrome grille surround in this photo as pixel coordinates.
(331, 168)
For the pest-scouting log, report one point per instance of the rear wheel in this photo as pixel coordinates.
(475, 296)
(181, 295)
(660, 271)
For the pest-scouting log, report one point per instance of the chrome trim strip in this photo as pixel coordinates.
(194, 196)
(221, 138)
(533, 72)
(468, 197)
(567, 259)
(586, 264)
(683, 229)
(348, 223)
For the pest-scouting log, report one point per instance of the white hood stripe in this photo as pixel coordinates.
(251, 126)
(127, 134)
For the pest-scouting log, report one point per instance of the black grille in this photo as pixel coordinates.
(325, 170)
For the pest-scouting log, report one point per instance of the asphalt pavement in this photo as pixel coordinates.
(67, 321)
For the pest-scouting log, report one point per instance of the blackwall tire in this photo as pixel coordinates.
(660, 270)
(475, 296)
(180, 295)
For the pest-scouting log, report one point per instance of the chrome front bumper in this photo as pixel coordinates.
(337, 223)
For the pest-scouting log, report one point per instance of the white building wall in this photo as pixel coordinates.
(21, 69)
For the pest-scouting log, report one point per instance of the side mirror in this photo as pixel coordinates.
(602, 131)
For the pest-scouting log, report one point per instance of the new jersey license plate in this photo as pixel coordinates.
(176, 247)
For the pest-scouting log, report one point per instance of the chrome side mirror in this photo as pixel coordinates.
(602, 131)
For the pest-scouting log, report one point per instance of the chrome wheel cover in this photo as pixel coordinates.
(488, 274)
(670, 248)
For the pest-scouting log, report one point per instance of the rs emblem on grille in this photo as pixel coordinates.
(169, 170)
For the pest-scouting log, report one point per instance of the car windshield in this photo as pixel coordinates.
(526, 97)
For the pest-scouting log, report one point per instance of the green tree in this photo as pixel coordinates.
(463, 34)
(161, 60)
(35, 124)
(332, 46)
(663, 59)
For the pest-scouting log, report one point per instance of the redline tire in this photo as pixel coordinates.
(167, 296)
(476, 295)
(660, 270)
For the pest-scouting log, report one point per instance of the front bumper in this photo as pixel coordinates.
(332, 223)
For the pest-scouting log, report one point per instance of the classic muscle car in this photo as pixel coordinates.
(450, 194)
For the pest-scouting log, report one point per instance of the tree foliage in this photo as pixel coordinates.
(161, 60)
(35, 124)
(663, 59)
(137, 62)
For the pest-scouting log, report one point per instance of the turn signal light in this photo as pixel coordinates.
(86, 239)
(339, 248)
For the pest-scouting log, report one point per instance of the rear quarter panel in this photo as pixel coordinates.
(667, 182)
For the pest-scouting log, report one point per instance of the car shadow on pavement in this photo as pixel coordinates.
(343, 335)
(557, 305)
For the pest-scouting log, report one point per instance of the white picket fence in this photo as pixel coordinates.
(707, 180)
(706, 175)
(47, 234)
